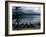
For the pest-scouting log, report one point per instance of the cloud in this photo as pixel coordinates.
(30, 9)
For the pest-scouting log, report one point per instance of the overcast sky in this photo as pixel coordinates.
(30, 9)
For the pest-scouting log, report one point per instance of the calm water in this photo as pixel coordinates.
(30, 19)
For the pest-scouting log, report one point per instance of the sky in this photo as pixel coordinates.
(30, 9)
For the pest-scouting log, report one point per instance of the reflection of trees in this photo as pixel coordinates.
(31, 25)
(26, 26)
